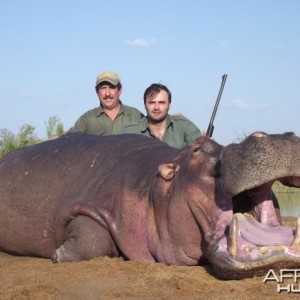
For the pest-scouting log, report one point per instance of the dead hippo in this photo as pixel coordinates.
(83, 196)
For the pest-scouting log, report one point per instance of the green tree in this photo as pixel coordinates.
(10, 142)
(7, 141)
(54, 127)
(27, 136)
(60, 129)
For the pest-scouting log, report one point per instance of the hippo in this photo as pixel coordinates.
(83, 196)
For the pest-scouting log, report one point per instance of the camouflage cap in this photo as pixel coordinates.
(108, 76)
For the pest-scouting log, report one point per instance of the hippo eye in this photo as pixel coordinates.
(197, 149)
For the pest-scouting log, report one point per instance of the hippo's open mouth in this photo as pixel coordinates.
(256, 241)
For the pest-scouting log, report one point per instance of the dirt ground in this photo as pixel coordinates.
(114, 278)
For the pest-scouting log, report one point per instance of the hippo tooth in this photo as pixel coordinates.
(265, 249)
(296, 242)
(234, 232)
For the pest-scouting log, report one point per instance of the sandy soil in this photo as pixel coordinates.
(113, 278)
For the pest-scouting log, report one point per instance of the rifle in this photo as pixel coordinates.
(210, 128)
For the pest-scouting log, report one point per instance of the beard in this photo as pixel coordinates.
(155, 119)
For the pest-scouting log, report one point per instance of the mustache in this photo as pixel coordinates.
(108, 97)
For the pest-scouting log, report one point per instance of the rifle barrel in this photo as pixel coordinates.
(210, 128)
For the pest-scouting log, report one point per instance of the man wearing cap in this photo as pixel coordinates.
(176, 130)
(112, 114)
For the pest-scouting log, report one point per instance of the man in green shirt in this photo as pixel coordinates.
(112, 114)
(177, 131)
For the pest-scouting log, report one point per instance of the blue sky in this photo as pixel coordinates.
(52, 51)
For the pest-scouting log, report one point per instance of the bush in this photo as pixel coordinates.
(26, 135)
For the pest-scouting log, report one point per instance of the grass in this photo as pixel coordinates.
(288, 199)
(280, 188)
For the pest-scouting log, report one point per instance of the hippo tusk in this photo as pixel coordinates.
(296, 242)
(234, 232)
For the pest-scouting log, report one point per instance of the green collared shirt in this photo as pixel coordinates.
(180, 131)
(95, 121)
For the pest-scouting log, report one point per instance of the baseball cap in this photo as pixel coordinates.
(108, 76)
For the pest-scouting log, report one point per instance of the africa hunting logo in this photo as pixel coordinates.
(284, 276)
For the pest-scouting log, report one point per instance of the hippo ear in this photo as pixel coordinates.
(168, 171)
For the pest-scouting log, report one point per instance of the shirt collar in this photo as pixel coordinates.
(170, 122)
(123, 110)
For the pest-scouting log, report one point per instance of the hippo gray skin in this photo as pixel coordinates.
(83, 196)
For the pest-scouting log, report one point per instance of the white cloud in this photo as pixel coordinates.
(141, 42)
(241, 104)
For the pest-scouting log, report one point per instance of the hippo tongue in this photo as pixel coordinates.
(259, 234)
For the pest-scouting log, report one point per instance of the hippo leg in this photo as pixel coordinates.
(84, 239)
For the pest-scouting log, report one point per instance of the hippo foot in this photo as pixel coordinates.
(84, 239)
(63, 254)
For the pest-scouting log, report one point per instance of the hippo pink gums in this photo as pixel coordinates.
(83, 196)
